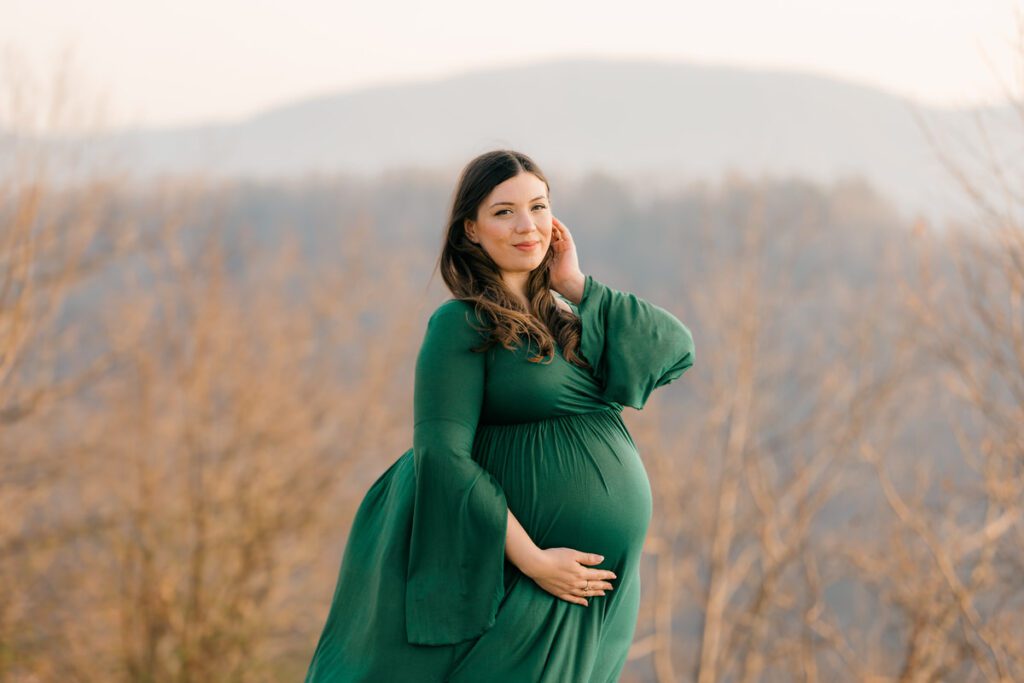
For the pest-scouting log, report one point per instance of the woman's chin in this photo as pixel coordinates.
(524, 265)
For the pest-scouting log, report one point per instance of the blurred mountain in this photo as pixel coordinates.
(661, 122)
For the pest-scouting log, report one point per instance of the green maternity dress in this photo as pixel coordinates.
(425, 591)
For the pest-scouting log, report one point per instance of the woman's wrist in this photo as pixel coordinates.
(571, 289)
(520, 548)
(531, 561)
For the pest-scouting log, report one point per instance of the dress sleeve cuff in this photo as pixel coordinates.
(632, 345)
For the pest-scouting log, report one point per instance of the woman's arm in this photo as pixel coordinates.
(520, 548)
(454, 577)
(632, 345)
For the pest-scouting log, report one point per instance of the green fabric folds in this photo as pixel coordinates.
(455, 576)
(633, 345)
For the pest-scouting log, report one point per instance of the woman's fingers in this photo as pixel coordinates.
(560, 231)
(594, 585)
(569, 597)
(589, 558)
(592, 588)
(568, 578)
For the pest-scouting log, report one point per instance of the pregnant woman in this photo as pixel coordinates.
(504, 546)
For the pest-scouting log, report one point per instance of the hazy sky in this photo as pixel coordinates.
(189, 61)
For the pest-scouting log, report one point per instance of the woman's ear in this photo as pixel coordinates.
(470, 228)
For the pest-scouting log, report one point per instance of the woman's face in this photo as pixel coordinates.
(513, 223)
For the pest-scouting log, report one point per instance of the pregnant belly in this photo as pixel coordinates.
(573, 481)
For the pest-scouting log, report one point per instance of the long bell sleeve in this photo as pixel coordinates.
(455, 579)
(633, 345)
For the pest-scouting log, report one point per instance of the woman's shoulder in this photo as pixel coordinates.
(451, 309)
(456, 315)
(457, 312)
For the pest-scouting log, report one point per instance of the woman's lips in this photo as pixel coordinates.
(526, 246)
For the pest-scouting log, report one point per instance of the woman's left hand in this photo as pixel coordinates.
(566, 277)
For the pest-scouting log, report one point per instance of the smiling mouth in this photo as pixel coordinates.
(526, 245)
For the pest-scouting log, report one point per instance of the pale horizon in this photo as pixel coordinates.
(188, 63)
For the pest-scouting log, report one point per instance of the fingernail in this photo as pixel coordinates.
(600, 558)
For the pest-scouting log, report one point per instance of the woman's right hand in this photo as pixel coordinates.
(561, 572)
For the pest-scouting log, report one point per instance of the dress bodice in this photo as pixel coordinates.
(518, 390)
(633, 344)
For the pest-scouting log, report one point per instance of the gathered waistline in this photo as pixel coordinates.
(546, 420)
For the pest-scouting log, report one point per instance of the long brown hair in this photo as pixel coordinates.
(473, 276)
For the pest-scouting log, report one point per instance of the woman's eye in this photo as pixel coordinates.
(542, 206)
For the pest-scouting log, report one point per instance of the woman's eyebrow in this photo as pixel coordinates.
(513, 203)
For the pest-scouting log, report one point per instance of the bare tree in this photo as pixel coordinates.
(183, 442)
(952, 567)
